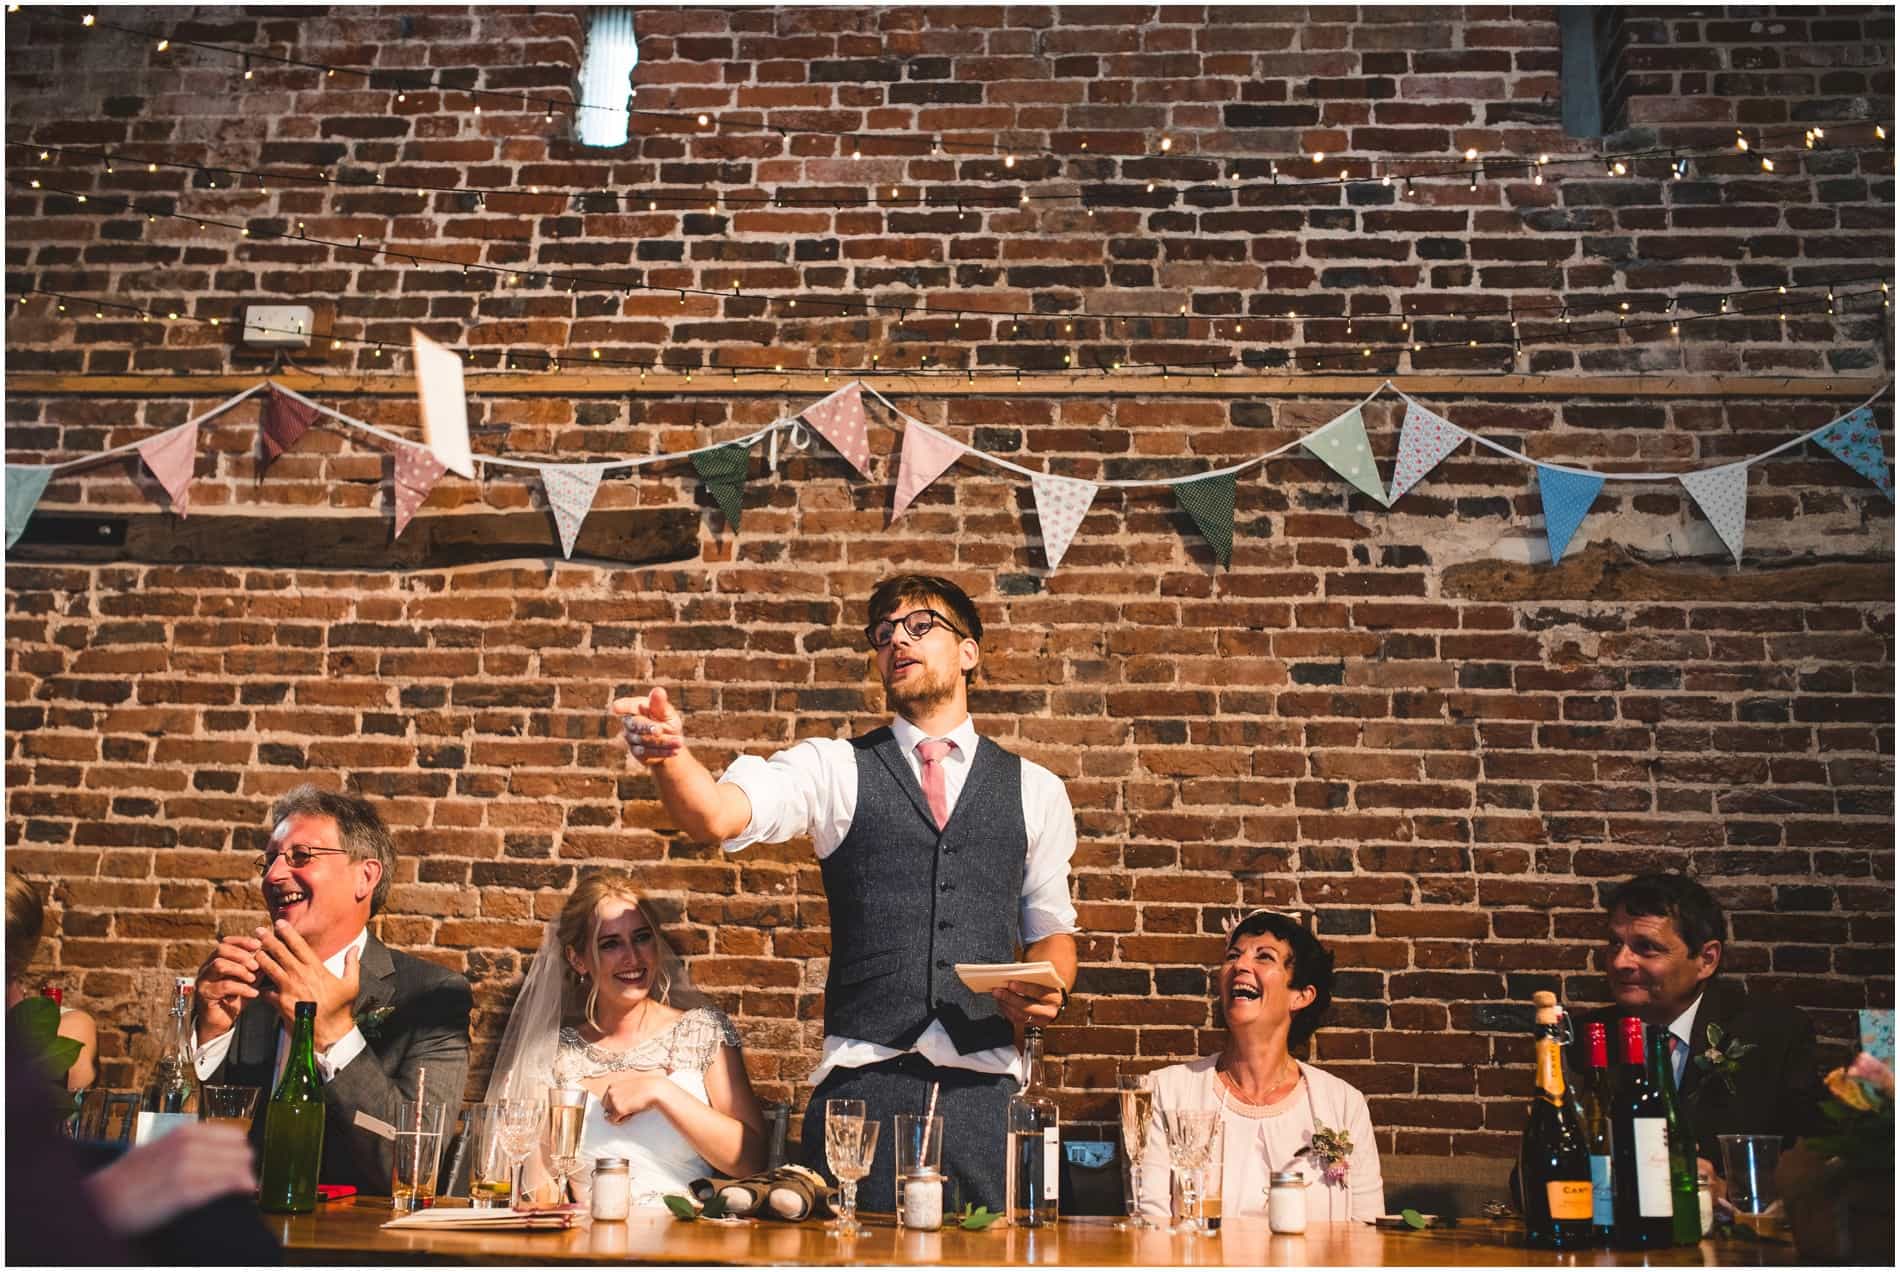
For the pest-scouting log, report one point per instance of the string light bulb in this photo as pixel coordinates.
(86, 21)
(704, 119)
(1471, 152)
(1741, 142)
(1167, 144)
(1319, 156)
(163, 45)
(1009, 161)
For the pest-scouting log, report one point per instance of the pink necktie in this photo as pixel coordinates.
(931, 752)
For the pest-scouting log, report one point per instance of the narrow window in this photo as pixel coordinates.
(607, 77)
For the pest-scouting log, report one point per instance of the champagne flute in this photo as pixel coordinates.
(567, 1108)
(520, 1125)
(850, 1146)
(1137, 1108)
(1190, 1143)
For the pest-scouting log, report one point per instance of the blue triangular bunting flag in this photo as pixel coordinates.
(1567, 498)
(1854, 439)
(25, 484)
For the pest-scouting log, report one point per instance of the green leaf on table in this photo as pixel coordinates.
(976, 1218)
(716, 1207)
(1412, 1218)
(681, 1207)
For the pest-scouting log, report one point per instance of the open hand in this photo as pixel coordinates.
(227, 979)
(302, 977)
(654, 728)
(156, 1182)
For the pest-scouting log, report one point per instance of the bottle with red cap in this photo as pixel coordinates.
(1594, 1092)
(1642, 1202)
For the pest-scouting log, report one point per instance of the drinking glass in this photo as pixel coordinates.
(1749, 1164)
(418, 1153)
(1137, 1091)
(490, 1177)
(229, 1105)
(1190, 1145)
(919, 1151)
(850, 1144)
(520, 1127)
(567, 1111)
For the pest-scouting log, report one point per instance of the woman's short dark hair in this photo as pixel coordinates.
(1697, 915)
(1311, 966)
(932, 590)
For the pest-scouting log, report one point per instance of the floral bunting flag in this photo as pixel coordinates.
(25, 484)
(171, 456)
(418, 469)
(1567, 499)
(1722, 494)
(281, 424)
(570, 490)
(724, 472)
(925, 456)
(1855, 441)
(1342, 445)
(1424, 440)
(1061, 503)
(839, 419)
(1210, 502)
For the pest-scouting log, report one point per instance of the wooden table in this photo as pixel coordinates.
(352, 1233)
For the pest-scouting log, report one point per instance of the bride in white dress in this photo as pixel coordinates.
(607, 1005)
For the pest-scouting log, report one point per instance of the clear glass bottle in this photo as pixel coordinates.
(1032, 1166)
(170, 1099)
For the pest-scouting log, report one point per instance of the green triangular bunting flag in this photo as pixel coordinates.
(1342, 445)
(1210, 501)
(25, 484)
(724, 471)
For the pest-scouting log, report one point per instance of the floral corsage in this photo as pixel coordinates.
(1723, 1057)
(1331, 1151)
(370, 1021)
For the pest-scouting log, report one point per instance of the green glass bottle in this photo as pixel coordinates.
(1686, 1207)
(293, 1126)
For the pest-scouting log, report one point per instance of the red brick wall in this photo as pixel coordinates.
(1386, 717)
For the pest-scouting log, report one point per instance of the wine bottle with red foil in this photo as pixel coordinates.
(1554, 1160)
(1643, 1205)
(1594, 1095)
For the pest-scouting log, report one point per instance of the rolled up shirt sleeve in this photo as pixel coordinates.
(792, 793)
(1046, 909)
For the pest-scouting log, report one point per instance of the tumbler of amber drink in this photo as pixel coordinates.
(228, 1105)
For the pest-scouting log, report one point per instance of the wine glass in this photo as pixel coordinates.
(850, 1145)
(1190, 1143)
(1137, 1108)
(519, 1127)
(567, 1110)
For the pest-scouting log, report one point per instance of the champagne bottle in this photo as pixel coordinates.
(1032, 1167)
(1639, 1148)
(293, 1126)
(1594, 1095)
(170, 1098)
(1685, 1205)
(1554, 1160)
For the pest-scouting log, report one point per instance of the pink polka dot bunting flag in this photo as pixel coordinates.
(1061, 503)
(1722, 494)
(926, 454)
(1342, 445)
(171, 456)
(281, 424)
(570, 489)
(417, 472)
(839, 419)
(1424, 440)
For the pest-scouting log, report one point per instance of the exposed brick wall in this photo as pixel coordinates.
(1387, 717)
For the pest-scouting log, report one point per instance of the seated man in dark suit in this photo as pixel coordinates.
(1744, 1062)
(381, 1016)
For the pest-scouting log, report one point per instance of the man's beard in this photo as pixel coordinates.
(920, 692)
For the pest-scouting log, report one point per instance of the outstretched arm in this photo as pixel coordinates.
(707, 810)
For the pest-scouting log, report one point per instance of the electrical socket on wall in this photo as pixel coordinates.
(277, 326)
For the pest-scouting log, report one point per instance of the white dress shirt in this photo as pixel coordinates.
(1681, 1027)
(812, 789)
(210, 1055)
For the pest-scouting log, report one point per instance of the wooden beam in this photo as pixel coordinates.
(292, 539)
(713, 384)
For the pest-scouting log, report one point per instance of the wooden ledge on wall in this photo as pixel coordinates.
(715, 384)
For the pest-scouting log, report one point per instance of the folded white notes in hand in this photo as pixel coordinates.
(981, 978)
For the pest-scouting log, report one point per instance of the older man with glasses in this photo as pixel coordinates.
(382, 1016)
(936, 847)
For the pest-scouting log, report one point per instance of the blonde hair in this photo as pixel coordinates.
(579, 930)
(26, 918)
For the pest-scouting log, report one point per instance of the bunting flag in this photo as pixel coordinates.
(281, 424)
(1854, 439)
(25, 484)
(1567, 499)
(1061, 503)
(839, 419)
(444, 403)
(418, 469)
(171, 456)
(724, 471)
(1210, 502)
(570, 490)
(926, 454)
(1424, 441)
(1342, 445)
(1722, 494)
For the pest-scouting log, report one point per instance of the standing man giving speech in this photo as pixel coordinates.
(937, 847)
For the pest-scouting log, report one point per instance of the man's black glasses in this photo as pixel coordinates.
(917, 625)
(298, 857)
